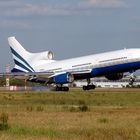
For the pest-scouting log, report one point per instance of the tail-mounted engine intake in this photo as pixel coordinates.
(48, 55)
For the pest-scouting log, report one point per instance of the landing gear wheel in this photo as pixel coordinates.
(88, 87)
(85, 88)
(58, 88)
(92, 86)
(65, 88)
(62, 88)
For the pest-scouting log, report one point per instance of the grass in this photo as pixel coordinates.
(93, 115)
(4, 122)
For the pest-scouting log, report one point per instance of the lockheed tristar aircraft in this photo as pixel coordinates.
(42, 68)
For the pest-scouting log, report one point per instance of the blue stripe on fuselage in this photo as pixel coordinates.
(119, 68)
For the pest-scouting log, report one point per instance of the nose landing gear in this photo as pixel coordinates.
(132, 79)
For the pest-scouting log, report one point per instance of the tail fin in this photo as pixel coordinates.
(20, 55)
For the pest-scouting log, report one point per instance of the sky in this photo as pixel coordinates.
(69, 28)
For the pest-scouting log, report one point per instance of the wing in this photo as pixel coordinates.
(42, 77)
(51, 77)
(28, 75)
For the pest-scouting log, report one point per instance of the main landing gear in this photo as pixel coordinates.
(89, 86)
(61, 88)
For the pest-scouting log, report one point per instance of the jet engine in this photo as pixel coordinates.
(48, 55)
(64, 78)
(116, 76)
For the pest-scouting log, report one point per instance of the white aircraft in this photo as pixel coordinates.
(40, 67)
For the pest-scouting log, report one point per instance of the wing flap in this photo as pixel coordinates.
(81, 71)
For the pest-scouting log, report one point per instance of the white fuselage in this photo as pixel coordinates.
(92, 61)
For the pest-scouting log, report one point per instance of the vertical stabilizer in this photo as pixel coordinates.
(15, 45)
(20, 55)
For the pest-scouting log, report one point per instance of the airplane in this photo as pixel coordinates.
(42, 68)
